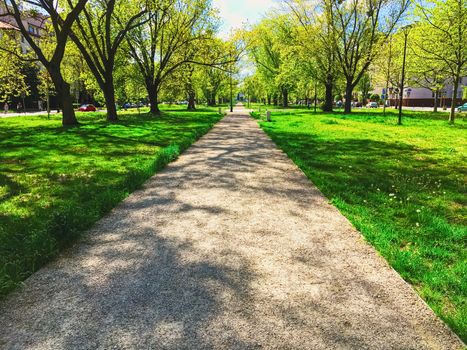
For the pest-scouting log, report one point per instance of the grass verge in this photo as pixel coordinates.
(403, 187)
(56, 182)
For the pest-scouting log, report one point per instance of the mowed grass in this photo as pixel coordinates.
(56, 182)
(403, 187)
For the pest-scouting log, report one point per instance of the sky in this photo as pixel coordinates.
(234, 13)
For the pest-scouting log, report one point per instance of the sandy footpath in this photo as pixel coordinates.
(229, 247)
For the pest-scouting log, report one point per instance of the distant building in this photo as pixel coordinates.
(423, 97)
(32, 21)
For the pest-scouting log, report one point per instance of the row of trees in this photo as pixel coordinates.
(326, 47)
(129, 47)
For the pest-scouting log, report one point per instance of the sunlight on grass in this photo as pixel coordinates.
(55, 182)
(403, 187)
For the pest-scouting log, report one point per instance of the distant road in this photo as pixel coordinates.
(26, 114)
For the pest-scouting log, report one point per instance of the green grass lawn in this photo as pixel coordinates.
(56, 182)
(403, 187)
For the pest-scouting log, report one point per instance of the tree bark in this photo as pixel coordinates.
(191, 101)
(65, 100)
(364, 98)
(348, 98)
(328, 88)
(455, 86)
(435, 107)
(151, 89)
(109, 96)
(212, 99)
(285, 98)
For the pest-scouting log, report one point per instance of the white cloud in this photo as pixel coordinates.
(236, 13)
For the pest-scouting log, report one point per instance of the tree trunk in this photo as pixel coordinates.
(285, 98)
(435, 107)
(327, 106)
(364, 98)
(109, 96)
(64, 98)
(348, 98)
(151, 89)
(274, 100)
(191, 101)
(455, 86)
(211, 99)
(269, 99)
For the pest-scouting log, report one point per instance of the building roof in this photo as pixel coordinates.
(7, 26)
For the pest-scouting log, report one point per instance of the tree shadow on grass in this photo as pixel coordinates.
(362, 163)
(65, 179)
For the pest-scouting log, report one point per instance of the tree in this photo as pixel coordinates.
(98, 32)
(129, 84)
(387, 67)
(12, 77)
(168, 40)
(430, 75)
(46, 88)
(213, 77)
(359, 28)
(316, 37)
(59, 24)
(444, 27)
(273, 59)
(364, 86)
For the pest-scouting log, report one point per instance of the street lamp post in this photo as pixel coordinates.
(231, 92)
(401, 92)
(316, 88)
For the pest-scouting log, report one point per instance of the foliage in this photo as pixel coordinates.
(274, 60)
(442, 34)
(58, 29)
(12, 77)
(169, 39)
(98, 33)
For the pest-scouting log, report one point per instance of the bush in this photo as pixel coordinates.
(375, 97)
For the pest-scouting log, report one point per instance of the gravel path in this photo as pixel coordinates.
(229, 247)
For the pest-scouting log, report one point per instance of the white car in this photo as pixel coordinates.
(372, 104)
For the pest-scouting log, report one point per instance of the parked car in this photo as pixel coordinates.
(462, 108)
(356, 104)
(339, 104)
(372, 104)
(87, 108)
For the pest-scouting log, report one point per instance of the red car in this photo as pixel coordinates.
(87, 108)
